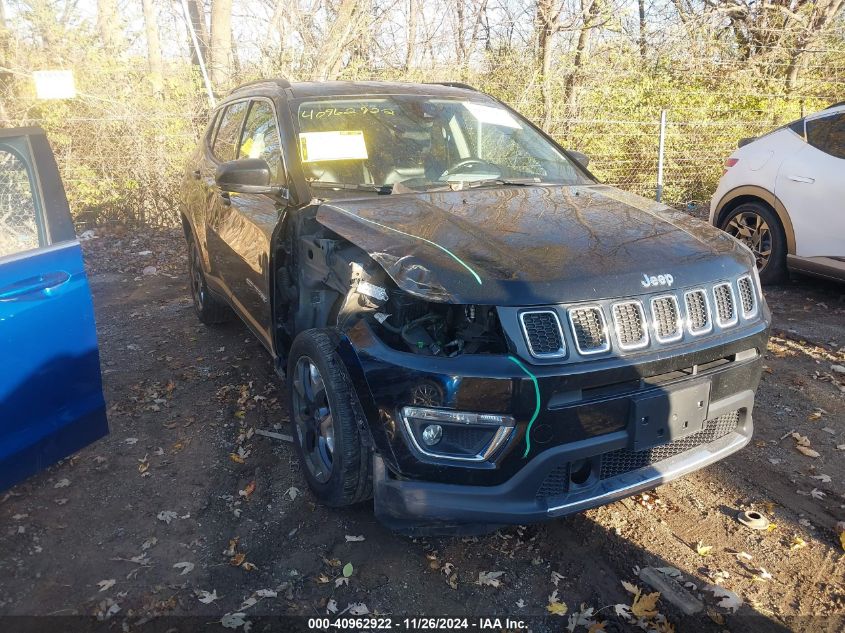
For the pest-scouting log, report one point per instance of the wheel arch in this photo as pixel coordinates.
(750, 193)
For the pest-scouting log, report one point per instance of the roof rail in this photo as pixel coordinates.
(454, 84)
(280, 82)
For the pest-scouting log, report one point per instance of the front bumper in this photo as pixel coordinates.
(585, 417)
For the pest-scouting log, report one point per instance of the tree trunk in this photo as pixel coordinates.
(110, 27)
(153, 48)
(546, 27)
(591, 11)
(641, 4)
(220, 58)
(410, 51)
(197, 15)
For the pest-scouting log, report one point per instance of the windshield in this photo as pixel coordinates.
(402, 143)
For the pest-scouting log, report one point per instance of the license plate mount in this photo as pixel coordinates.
(665, 415)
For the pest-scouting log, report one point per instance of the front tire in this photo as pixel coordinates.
(758, 227)
(336, 464)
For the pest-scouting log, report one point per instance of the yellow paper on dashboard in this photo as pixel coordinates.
(341, 145)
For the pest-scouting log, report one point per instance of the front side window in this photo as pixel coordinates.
(226, 141)
(828, 134)
(261, 139)
(18, 211)
(402, 142)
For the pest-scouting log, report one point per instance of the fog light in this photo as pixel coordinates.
(432, 434)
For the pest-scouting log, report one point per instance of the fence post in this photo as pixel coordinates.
(660, 155)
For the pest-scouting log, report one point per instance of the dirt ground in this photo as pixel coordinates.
(184, 478)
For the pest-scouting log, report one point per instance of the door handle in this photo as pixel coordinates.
(25, 288)
(804, 179)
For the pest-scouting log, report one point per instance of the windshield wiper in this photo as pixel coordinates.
(518, 182)
(361, 186)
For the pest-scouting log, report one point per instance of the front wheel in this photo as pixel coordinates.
(757, 226)
(335, 462)
(209, 308)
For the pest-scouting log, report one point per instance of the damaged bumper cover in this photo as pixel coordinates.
(567, 437)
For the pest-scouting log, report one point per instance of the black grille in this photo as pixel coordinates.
(746, 294)
(542, 332)
(699, 318)
(556, 482)
(630, 327)
(664, 311)
(724, 304)
(589, 329)
(625, 460)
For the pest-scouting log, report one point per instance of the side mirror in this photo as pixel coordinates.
(581, 157)
(247, 175)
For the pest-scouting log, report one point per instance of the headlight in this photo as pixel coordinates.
(456, 435)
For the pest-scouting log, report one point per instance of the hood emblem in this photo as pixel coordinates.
(657, 280)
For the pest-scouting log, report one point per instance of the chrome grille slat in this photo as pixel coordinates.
(543, 333)
(666, 319)
(747, 299)
(589, 329)
(725, 304)
(698, 312)
(630, 325)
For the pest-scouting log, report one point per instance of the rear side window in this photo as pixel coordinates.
(261, 139)
(18, 212)
(828, 134)
(226, 141)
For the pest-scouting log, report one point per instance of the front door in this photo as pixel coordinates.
(51, 398)
(811, 185)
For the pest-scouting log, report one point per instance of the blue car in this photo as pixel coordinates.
(51, 396)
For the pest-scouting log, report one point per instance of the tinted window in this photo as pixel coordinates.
(828, 134)
(229, 132)
(18, 213)
(261, 138)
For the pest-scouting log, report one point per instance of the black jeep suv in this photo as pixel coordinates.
(473, 330)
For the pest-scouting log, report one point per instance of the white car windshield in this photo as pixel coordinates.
(398, 143)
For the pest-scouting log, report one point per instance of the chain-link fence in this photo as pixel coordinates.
(128, 169)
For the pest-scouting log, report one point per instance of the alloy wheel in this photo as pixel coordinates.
(753, 231)
(313, 419)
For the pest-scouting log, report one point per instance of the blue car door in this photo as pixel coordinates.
(51, 397)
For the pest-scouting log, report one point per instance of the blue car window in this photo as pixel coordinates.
(19, 220)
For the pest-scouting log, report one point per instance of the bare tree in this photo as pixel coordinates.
(110, 26)
(220, 58)
(410, 51)
(197, 16)
(153, 47)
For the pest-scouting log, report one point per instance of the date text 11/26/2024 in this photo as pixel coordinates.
(415, 624)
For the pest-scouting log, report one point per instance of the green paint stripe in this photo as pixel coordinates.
(416, 237)
(536, 407)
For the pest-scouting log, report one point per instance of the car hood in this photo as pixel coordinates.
(520, 246)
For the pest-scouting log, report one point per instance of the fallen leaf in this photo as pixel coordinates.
(247, 566)
(630, 588)
(489, 578)
(453, 581)
(238, 559)
(557, 608)
(62, 483)
(809, 452)
(520, 603)
(206, 597)
(645, 605)
(727, 598)
(354, 539)
(293, 492)
(703, 550)
(762, 574)
(341, 581)
(815, 493)
(357, 608)
(248, 490)
(266, 593)
(167, 516)
(331, 606)
(234, 621)
(825, 479)
(772, 527)
(347, 570)
(797, 543)
(556, 578)
(105, 585)
(236, 458)
(185, 566)
(447, 568)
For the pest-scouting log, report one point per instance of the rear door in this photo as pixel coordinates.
(811, 185)
(51, 398)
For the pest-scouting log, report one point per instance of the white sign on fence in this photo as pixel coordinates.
(54, 84)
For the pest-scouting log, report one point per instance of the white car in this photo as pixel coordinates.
(783, 195)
